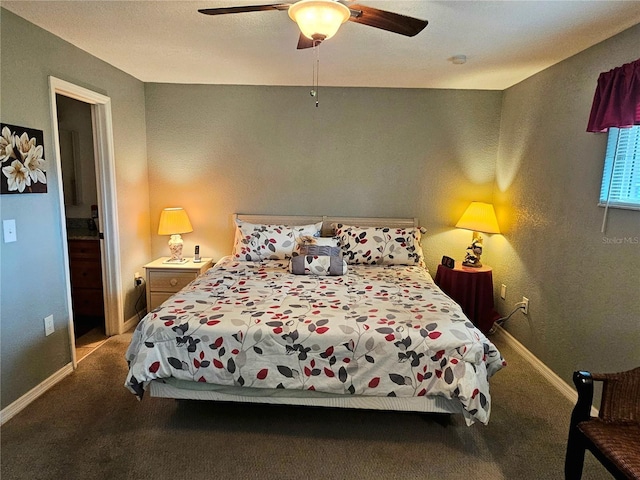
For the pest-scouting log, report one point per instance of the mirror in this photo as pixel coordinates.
(71, 173)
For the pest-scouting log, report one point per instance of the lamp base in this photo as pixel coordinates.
(175, 247)
(473, 265)
(474, 252)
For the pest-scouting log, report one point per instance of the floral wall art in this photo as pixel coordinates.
(22, 158)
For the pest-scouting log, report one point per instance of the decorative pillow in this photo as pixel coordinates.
(318, 260)
(380, 245)
(327, 250)
(302, 244)
(269, 242)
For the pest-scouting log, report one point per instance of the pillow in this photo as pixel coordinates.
(256, 242)
(327, 250)
(380, 245)
(303, 243)
(318, 260)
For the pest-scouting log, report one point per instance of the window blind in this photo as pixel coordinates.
(621, 176)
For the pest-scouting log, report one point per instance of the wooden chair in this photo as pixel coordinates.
(614, 436)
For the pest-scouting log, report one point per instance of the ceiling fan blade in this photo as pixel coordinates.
(246, 8)
(391, 22)
(304, 42)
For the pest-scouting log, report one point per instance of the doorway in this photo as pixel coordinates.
(98, 260)
(75, 137)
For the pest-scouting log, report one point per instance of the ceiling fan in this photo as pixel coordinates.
(320, 19)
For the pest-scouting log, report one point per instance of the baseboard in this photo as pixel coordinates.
(11, 410)
(129, 324)
(563, 387)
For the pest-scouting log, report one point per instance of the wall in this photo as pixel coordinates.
(217, 150)
(583, 285)
(32, 269)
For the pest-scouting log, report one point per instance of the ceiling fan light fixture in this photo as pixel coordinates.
(319, 18)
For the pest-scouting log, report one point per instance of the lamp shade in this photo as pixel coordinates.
(174, 221)
(479, 217)
(319, 17)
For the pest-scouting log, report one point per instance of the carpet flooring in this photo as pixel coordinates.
(89, 426)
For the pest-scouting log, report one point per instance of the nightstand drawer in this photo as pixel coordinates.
(166, 281)
(157, 298)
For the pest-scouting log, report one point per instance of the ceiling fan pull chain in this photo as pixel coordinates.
(313, 80)
(316, 70)
(317, 74)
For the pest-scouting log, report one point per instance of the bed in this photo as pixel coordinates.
(318, 311)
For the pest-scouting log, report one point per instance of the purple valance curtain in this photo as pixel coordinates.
(616, 102)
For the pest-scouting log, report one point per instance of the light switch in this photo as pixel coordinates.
(9, 227)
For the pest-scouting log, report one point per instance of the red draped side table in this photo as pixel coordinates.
(472, 289)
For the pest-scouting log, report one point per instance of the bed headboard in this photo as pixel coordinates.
(327, 231)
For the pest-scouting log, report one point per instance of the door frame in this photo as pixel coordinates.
(107, 201)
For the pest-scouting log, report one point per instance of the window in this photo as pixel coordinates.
(621, 176)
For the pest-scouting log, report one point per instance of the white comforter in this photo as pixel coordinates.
(379, 330)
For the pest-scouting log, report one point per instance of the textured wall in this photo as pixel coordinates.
(583, 285)
(216, 150)
(32, 273)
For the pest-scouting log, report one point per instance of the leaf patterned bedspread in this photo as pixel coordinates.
(378, 330)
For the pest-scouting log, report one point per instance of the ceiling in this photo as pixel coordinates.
(170, 42)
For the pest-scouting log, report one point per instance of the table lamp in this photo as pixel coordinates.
(174, 221)
(478, 217)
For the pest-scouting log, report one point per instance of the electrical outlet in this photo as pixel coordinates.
(137, 279)
(48, 325)
(525, 306)
(503, 291)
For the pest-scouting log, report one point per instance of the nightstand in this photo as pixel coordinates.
(165, 279)
(472, 289)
